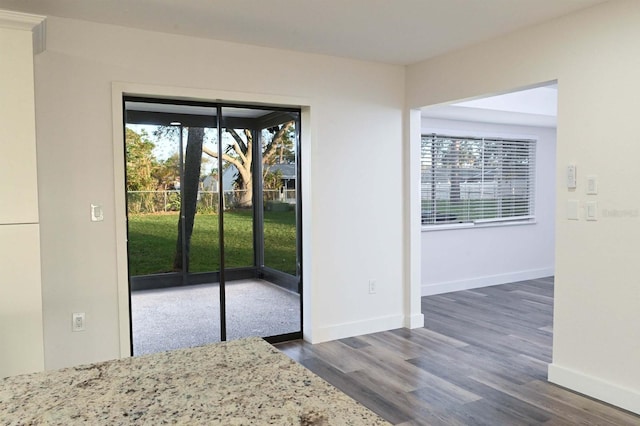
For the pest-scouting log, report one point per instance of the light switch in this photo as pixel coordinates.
(592, 210)
(96, 213)
(592, 185)
(571, 176)
(572, 209)
(77, 323)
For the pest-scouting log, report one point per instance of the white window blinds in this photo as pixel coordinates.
(476, 180)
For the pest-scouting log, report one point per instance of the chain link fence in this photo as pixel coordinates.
(208, 201)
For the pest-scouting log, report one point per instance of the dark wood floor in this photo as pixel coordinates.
(481, 360)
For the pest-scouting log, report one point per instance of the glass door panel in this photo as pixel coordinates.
(237, 178)
(279, 178)
(199, 300)
(279, 245)
(256, 306)
(237, 169)
(153, 171)
(205, 248)
(169, 241)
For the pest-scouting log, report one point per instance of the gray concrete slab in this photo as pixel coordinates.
(179, 317)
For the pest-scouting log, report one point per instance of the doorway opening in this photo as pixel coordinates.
(478, 156)
(213, 222)
(492, 259)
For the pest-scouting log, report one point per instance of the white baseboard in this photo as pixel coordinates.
(485, 281)
(414, 321)
(357, 328)
(627, 399)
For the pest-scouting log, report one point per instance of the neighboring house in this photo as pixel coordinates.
(288, 175)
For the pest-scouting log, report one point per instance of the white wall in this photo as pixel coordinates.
(593, 54)
(353, 217)
(496, 254)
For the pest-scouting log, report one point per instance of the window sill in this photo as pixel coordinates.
(472, 225)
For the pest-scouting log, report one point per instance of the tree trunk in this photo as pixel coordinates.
(190, 183)
(245, 197)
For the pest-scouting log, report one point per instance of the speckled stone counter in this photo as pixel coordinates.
(242, 382)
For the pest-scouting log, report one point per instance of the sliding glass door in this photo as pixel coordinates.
(213, 223)
(259, 151)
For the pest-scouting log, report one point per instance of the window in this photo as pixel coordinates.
(476, 180)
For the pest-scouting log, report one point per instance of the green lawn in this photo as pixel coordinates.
(472, 209)
(152, 241)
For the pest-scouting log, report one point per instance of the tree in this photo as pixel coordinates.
(277, 146)
(240, 155)
(167, 172)
(459, 156)
(140, 161)
(272, 179)
(189, 185)
(140, 164)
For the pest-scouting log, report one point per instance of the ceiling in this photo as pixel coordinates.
(536, 107)
(389, 31)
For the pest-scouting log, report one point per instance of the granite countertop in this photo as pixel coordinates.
(240, 382)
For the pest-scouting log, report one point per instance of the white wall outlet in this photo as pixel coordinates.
(373, 286)
(77, 321)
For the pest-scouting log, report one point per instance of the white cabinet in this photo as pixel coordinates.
(18, 184)
(21, 328)
(21, 335)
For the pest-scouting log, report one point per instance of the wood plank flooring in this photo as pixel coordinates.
(481, 359)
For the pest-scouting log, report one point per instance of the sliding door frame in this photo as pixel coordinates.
(279, 115)
(307, 130)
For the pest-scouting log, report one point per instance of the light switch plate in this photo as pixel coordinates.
(97, 214)
(572, 177)
(77, 323)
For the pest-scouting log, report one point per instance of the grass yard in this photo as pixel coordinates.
(152, 241)
(472, 209)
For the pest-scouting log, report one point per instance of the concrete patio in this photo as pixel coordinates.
(179, 317)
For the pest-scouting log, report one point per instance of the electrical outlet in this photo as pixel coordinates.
(372, 286)
(77, 321)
